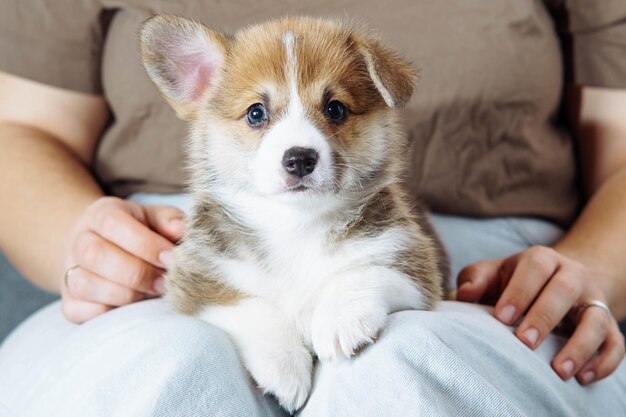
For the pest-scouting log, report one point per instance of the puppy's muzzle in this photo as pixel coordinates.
(300, 161)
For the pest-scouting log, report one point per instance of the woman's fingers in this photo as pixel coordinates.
(107, 260)
(543, 286)
(121, 249)
(477, 280)
(529, 273)
(609, 357)
(166, 220)
(606, 361)
(550, 307)
(80, 311)
(123, 229)
(589, 335)
(87, 286)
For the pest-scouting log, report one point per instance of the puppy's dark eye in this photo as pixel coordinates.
(336, 111)
(256, 115)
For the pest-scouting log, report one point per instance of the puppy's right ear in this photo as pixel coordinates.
(184, 59)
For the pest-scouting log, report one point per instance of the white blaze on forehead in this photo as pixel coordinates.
(291, 69)
(289, 40)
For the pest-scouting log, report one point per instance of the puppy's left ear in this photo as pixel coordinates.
(393, 77)
(184, 59)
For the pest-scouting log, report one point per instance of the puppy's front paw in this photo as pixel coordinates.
(286, 375)
(340, 331)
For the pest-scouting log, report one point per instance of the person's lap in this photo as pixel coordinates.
(145, 360)
(457, 361)
(139, 360)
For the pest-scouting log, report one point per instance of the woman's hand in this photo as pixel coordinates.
(116, 255)
(547, 287)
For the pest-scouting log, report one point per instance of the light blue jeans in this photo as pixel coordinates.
(144, 360)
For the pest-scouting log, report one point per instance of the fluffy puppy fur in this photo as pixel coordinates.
(293, 256)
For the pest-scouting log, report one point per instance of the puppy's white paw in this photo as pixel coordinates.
(286, 375)
(340, 331)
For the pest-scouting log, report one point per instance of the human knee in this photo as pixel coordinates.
(188, 339)
(406, 333)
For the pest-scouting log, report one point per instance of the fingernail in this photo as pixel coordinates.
(465, 285)
(531, 335)
(158, 285)
(166, 257)
(176, 226)
(506, 314)
(567, 367)
(588, 377)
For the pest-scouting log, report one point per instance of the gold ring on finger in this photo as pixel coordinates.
(68, 273)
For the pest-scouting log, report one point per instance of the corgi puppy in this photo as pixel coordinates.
(301, 240)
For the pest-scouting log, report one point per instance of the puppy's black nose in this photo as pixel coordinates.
(300, 161)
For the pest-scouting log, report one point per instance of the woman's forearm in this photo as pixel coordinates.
(598, 240)
(43, 189)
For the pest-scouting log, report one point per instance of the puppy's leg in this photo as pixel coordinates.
(270, 348)
(354, 306)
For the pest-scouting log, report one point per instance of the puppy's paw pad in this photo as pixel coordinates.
(340, 333)
(287, 377)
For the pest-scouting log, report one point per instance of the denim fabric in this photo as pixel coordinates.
(140, 360)
(457, 361)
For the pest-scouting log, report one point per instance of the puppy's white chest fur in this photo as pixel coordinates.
(300, 252)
